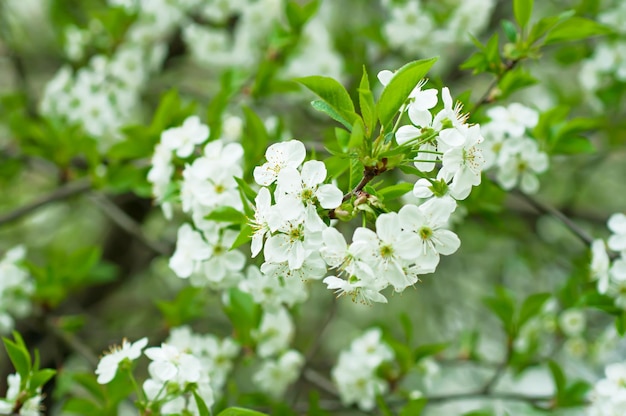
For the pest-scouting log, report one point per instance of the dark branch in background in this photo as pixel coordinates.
(126, 223)
(72, 342)
(564, 219)
(66, 191)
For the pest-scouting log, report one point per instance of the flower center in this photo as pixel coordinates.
(425, 233)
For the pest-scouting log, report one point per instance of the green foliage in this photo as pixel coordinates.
(334, 95)
(238, 411)
(523, 10)
(503, 305)
(32, 378)
(397, 91)
(189, 304)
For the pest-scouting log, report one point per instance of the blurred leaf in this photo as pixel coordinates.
(413, 407)
(39, 378)
(400, 86)
(546, 24)
(189, 304)
(509, 30)
(238, 411)
(503, 306)
(575, 28)
(203, 410)
(226, 214)
(531, 307)
(243, 313)
(256, 136)
(523, 10)
(428, 350)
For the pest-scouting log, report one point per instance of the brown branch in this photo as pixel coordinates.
(64, 192)
(126, 223)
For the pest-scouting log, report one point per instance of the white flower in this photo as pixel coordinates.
(429, 222)
(464, 163)
(171, 364)
(279, 156)
(107, 367)
(274, 376)
(572, 322)
(521, 162)
(617, 224)
(275, 333)
(600, 265)
(307, 186)
(190, 250)
(513, 120)
(222, 261)
(450, 120)
(355, 372)
(183, 139)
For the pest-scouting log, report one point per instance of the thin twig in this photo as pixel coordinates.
(547, 209)
(65, 191)
(125, 222)
(72, 342)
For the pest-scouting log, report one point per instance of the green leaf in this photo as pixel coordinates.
(428, 350)
(243, 312)
(19, 356)
(357, 136)
(81, 407)
(395, 191)
(366, 104)
(40, 378)
(203, 410)
(620, 323)
(226, 214)
(503, 306)
(239, 411)
(523, 10)
(531, 307)
(397, 91)
(244, 236)
(189, 304)
(413, 407)
(573, 145)
(256, 136)
(247, 190)
(558, 376)
(575, 28)
(333, 93)
(327, 109)
(546, 24)
(509, 30)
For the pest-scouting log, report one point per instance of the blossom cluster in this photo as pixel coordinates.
(422, 28)
(355, 374)
(611, 274)
(207, 183)
(16, 287)
(607, 63)
(510, 151)
(28, 406)
(608, 396)
(186, 363)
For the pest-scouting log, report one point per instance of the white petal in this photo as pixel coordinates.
(329, 196)
(313, 173)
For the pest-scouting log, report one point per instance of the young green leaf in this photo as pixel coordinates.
(397, 91)
(327, 109)
(203, 410)
(366, 103)
(226, 214)
(523, 10)
(576, 28)
(333, 93)
(239, 411)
